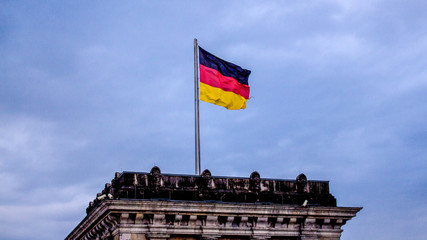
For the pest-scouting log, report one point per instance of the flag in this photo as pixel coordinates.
(221, 82)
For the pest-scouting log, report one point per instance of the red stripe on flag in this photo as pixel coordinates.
(216, 79)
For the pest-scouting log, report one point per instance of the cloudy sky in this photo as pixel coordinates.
(90, 88)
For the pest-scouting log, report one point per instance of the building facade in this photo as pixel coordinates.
(137, 206)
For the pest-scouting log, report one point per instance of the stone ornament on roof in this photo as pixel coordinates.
(161, 206)
(155, 185)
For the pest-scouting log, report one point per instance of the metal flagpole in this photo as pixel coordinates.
(196, 105)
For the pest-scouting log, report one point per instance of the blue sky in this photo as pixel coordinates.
(89, 88)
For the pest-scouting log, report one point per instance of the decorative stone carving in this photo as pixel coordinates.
(155, 177)
(201, 220)
(155, 206)
(206, 174)
(206, 180)
(301, 183)
(254, 181)
(206, 187)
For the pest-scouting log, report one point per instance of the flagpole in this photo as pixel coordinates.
(196, 106)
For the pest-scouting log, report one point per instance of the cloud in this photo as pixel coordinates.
(51, 208)
(90, 89)
(31, 143)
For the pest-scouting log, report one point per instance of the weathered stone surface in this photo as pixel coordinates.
(154, 185)
(165, 206)
(211, 219)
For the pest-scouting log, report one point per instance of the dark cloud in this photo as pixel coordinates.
(88, 89)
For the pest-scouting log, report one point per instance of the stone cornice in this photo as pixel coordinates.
(177, 217)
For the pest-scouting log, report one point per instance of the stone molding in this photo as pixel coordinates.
(162, 219)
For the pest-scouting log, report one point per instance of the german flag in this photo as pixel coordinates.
(221, 82)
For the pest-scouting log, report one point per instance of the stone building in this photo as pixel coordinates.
(137, 206)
